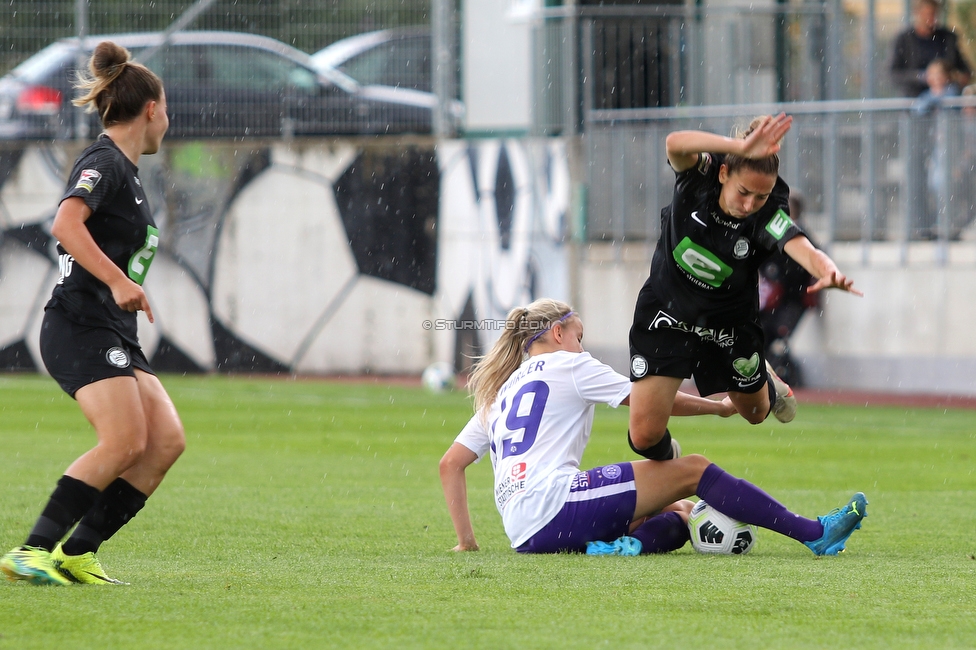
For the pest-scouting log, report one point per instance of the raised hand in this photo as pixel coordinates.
(765, 139)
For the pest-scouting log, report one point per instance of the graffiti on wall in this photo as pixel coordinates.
(312, 257)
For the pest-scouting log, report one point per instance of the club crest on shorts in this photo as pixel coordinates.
(117, 357)
(638, 366)
(611, 471)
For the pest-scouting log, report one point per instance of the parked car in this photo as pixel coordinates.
(388, 57)
(389, 64)
(222, 84)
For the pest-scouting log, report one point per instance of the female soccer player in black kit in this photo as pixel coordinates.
(698, 312)
(106, 242)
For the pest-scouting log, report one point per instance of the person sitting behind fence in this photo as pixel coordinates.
(920, 44)
(938, 76)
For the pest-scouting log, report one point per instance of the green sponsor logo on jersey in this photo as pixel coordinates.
(701, 264)
(779, 224)
(142, 258)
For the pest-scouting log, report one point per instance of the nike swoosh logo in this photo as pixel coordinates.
(138, 201)
(694, 215)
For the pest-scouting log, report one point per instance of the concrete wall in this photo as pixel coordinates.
(497, 73)
(316, 256)
(297, 257)
(911, 332)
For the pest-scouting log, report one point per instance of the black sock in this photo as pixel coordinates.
(69, 502)
(114, 508)
(662, 450)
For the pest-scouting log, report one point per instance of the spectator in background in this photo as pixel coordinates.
(939, 84)
(938, 75)
(916, 47)
(964, 173)
(783, 299)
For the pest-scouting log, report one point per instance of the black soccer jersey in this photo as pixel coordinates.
(121, 225)
(705, 269)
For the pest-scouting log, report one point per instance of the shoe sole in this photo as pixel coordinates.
(784, 408)
(37, 579)
(787, 411)
(10, 575)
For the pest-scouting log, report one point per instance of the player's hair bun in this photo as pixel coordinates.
(108, 61)
(116, 86)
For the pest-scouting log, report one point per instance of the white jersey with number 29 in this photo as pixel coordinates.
(536, 431)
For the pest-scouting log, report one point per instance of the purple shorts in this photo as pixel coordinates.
(600, 507)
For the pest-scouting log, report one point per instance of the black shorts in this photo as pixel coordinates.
(720, 360)
(78, 355)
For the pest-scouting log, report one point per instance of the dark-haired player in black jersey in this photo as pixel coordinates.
(106, 243)
(697, 315)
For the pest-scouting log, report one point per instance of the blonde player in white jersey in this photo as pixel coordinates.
(535, 393)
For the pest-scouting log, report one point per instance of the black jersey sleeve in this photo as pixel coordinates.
(774, 226)
(702, 173)
(95, 178)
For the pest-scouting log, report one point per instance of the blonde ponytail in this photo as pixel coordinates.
(522, 326)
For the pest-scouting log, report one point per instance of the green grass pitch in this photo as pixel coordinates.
(308, 514)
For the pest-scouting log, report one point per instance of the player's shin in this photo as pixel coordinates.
(745, 502)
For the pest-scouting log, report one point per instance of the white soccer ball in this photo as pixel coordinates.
(439, 377)
(713, 532)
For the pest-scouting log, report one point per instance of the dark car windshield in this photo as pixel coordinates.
(40, 66)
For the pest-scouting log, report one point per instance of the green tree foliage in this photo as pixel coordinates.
(964, 14)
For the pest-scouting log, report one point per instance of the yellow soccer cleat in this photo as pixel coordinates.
(33, 565)
(84, 568)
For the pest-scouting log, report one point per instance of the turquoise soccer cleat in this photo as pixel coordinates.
(625, 545)
(838, 525)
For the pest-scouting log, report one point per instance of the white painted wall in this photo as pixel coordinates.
(496, 74)
(284, 279)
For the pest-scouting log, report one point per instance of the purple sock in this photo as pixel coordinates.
(742, 500)
(662, 533)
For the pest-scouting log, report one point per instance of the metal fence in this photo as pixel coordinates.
(868, 171)
(628, 57)
(221, 78)
(26, 26)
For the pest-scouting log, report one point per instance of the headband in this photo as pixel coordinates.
(541, 332)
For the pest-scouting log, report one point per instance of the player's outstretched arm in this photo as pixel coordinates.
(685, 404)
(819, 265)
(455, 485)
